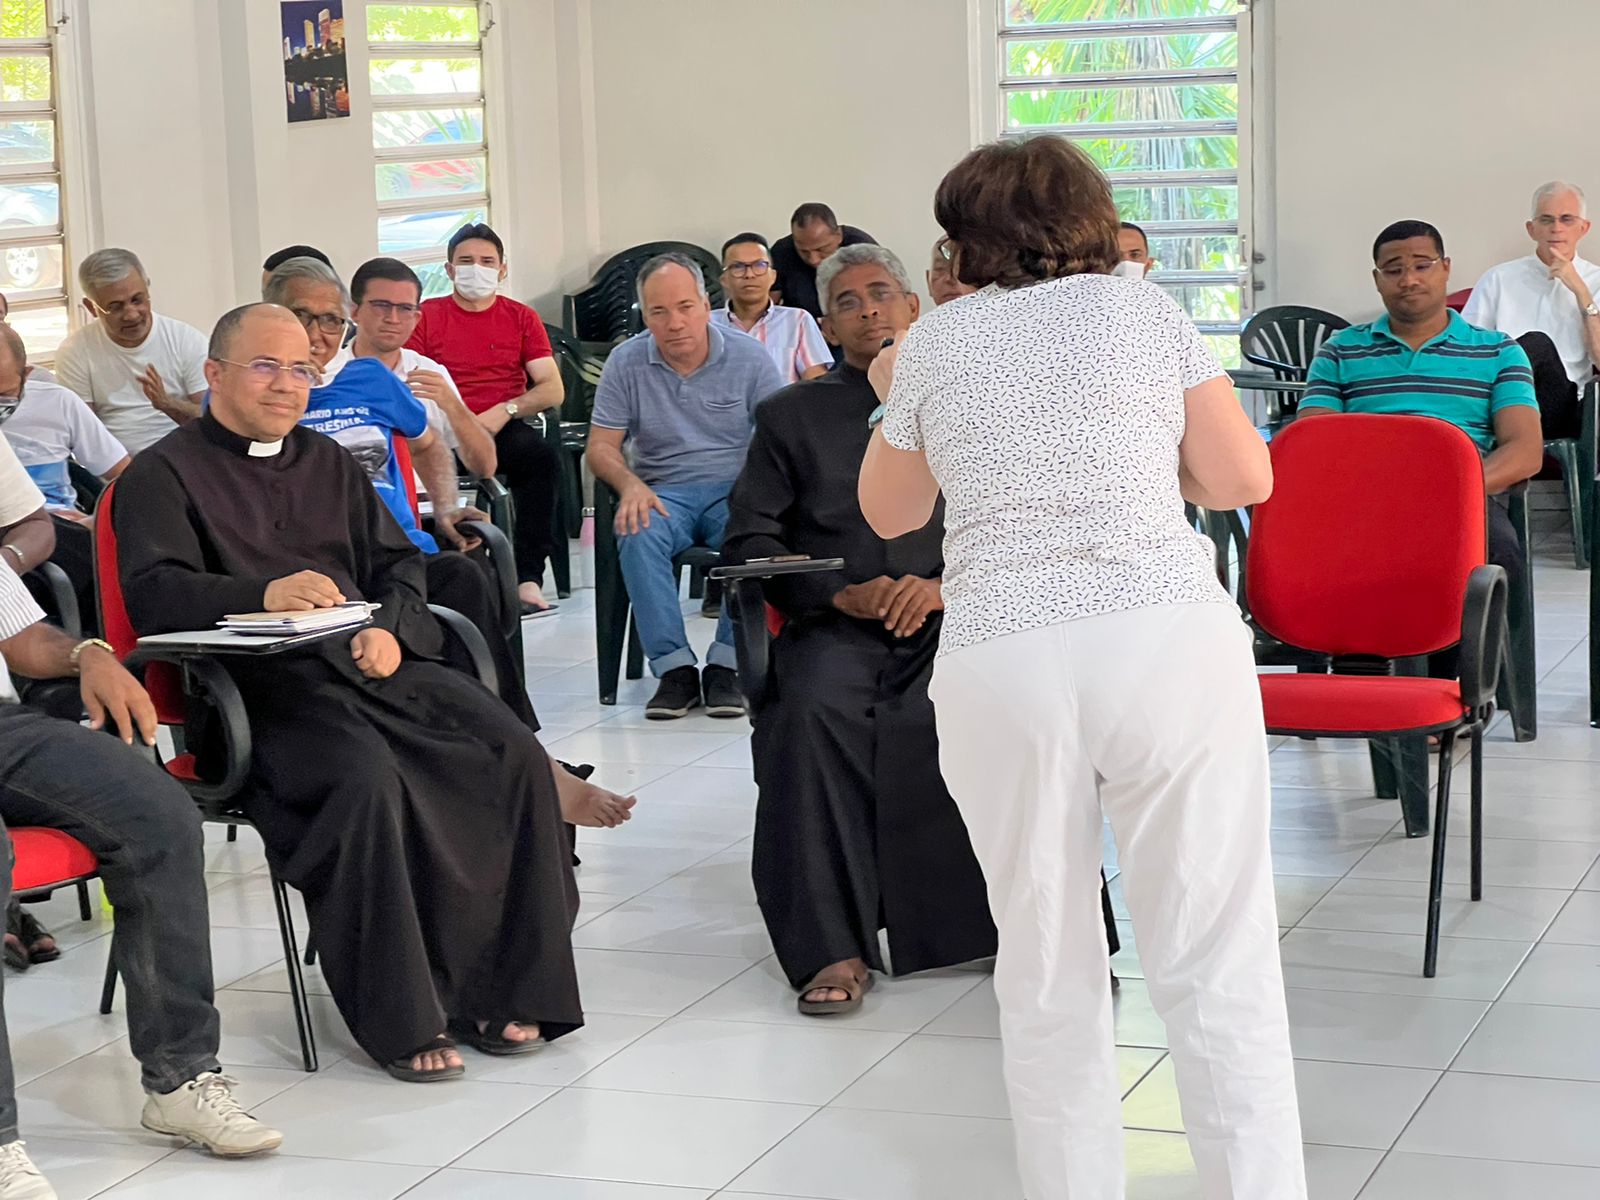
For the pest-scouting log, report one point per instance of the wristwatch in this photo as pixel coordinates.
(511, 408)
(1592, 309)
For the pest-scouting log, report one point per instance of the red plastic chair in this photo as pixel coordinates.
(1335, 567)
(46, 860)
(1458, 300)
(170, 683)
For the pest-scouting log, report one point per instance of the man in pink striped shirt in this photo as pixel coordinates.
(790, 335)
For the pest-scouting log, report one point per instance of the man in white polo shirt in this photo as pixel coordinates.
(791, 335)
(1547, 302)
(142, 373)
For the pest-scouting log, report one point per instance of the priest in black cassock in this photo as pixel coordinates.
(855, 831)
(420, 819)
(854, 828)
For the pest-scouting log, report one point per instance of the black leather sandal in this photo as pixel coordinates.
(402, 1069)
(485, 1042)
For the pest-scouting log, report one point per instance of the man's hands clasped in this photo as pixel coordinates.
(901, 604)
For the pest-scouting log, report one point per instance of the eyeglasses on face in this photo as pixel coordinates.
(267, 370)
(1422, 267)
(388, 308)
(741, 270)
(878, 295)
(1550, 221)
(327, 322)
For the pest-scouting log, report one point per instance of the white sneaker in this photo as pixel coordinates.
(19, 1178)
(204, 1111)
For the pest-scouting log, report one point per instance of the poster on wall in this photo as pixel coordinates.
(316, 82)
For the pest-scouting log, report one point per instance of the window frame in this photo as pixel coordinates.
(485, 100)
(1001, 35)
(65, 162)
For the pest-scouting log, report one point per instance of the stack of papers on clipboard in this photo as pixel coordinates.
(317, 620)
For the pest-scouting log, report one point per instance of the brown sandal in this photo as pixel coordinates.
(853, 986)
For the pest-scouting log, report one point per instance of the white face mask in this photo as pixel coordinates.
(1129, 269)
(477, 283)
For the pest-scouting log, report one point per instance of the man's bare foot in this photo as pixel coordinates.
(515, 1031)
(850, 968)
(584, 803)
(437, 1060)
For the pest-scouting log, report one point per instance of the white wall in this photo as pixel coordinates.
(1449, 111)
(716, 116)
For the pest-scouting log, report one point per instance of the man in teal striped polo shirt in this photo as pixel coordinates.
(1421, 359)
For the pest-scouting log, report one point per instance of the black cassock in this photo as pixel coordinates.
(855, 830)
(416, 814)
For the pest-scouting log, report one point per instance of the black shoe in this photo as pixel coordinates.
(678, 692)
(723, 698)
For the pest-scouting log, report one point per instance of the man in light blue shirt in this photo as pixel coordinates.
(682, 397)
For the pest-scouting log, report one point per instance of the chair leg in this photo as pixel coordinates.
(1576, 498)
(1385, 777)
(635, 668)
(311, 949)
(233, 833)
(1477, 814)
(297, 984)
(1430, 952)
(85, 912)
(108, 992)
(610, 613)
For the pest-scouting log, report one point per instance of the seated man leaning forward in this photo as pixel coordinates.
(682, 394)
(392, 791)
(854, 828)
(364, 407)
(1421, 359)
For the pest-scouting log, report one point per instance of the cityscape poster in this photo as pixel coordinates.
(316, 82)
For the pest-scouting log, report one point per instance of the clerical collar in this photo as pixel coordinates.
(219, 434)
(853, 374)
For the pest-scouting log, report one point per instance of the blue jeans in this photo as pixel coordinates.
(697, 515)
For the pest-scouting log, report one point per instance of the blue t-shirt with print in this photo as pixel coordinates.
(362, 408)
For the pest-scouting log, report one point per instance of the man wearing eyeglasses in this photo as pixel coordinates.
(1420, 359)
(790, 335)
(1547, 301)
(140, 371)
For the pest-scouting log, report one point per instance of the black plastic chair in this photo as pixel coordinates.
(613, 628)
(607, 310)
(1284, 339)
(580, 364)
(1579, 462)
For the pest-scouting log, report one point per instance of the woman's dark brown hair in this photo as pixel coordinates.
(1025, 211)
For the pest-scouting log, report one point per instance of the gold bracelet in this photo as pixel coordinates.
(78, 650)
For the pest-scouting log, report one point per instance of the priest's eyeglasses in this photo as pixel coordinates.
(327, 322)
(878, 294)
(267, 370)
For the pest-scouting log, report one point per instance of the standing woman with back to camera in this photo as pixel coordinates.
(1090, 662)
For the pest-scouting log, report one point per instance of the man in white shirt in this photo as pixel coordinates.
(48, 426)
(791, 335)
(142, 373)
(386, 296)
(1547, 302)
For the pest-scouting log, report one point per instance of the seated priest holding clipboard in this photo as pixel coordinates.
(420, 819)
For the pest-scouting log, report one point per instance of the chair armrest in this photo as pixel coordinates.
(465, 632)
(62, 595)
(207, 680)
(1483, 635)
(504, 561)
(1261, 360)
(493, 490)
(747, 608)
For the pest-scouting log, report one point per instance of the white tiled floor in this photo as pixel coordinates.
(695, 1077)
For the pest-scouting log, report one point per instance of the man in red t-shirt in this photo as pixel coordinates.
(498, 354)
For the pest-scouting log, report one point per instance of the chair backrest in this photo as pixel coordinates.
(1374, 525)
(608, 308)
(1285, 339)
(408, 474)
(161, 680)
(580, 364)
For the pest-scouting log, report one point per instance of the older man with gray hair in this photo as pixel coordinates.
(1546, 301)
(682, 396)
(142, 373)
